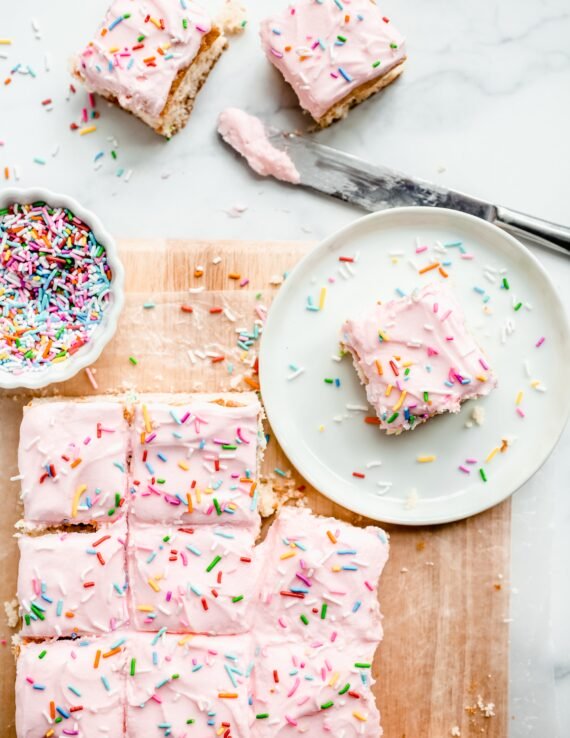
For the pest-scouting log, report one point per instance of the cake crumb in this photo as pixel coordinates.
(455, 731)
(275, 492)
(11, 609)
(233, 18)
(412, 500)
(477, 417)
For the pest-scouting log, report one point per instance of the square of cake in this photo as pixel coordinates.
(320, 580)
(151, 58)
(333, 54)
(188, 685)
(71, 688)
(302, 689)
(199, 579)
(196, 461)
(72, 583)
(72, 458)
(416, 358)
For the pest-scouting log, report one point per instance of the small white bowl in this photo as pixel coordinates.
(103, 333)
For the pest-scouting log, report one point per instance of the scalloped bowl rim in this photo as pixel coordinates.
(105, 331)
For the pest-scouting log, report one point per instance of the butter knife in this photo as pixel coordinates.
(374, 187)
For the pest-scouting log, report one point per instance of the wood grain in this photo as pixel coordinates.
(444, 593)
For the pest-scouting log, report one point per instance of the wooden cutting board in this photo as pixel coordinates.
(444, 593)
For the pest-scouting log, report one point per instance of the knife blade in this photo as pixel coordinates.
(375, 187)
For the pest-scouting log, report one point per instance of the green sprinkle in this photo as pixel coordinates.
(326, 705)
(217, 506)
(185, 23)
(362, 665)
(133, 667)
(329, 381)
(190, 721)
(342, 38)
(426, 396)
(141, 38)
(304, 619)
(166, 539)
(345, 689)
(376, 64)
(176, 676)
(392, 418)
(111, 512)
(506, 283)
(216, 560)
(407, 371)
(114, 154)
(262, 716)
(42, 654)
(483, 475)
(133, 361)
(518, 306)
(324, 611)
(393, 45)
(237, 599)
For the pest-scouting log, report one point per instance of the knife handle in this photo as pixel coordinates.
(539, 231)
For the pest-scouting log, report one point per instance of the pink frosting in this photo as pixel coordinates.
(65, 675)
(139, 73)
(203, 450)
(293, 680)
(82, 575)
(327, 49)
(68, 448)
(206, 667)
(425, 333)
(246, 134)
(310, 562)
(199, 579)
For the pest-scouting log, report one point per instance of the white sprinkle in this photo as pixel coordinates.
(195, 290)
(296, 374)
(216, 260)
(336, 358)
(191, 356)
(373, 464)
(359, 408)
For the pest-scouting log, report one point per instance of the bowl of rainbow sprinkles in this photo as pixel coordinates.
(61, 288)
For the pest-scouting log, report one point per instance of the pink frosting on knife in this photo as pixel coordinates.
(425, 333)
(246, 134)
(140, 73)
(323, 55)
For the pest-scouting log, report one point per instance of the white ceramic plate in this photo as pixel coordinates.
(327, 441)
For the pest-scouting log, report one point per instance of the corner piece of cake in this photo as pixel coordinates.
(151, 58)
(416, 358)
(334, 54)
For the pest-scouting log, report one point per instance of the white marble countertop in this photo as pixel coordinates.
(484, 106)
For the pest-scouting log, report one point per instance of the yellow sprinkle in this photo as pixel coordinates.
(407, 364)
(336, 567)
(389, 389)
(154, 585)
(145, 608)
(147, 425)
(379, 367)
(493, 453)
(59, 359)
(322, 297)
(360, 716)
(519, 398)
(288, 555)
(208, 491)
(89, 129)
(401, 399)
(334, 679)
(185, 639)
(80, 490)
(535, 383)
(198, 495)
(426, 459)
(183, 465)
(50, 732)
(321, 428)
(481, 378)
(5, 41)
(156, 23)
(382, 335)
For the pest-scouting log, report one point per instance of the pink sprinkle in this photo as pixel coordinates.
(282, 623)
(465, 469)
(471, 460)
(540, 342)
(294, 687)
(291, 721)
(29, 680)
(446, 316)
(303, 579)
(333, 636)
(168, 596)
(156, 698)
(368, 586)
(244, 282)
(435, 307)
(421, 249)
(467, 256)
(201, 29)
(483, 363)
(276, 53)
(520, 412)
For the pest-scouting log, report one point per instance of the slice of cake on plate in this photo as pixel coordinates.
(416, 358)
(151, 58)
(334, 54)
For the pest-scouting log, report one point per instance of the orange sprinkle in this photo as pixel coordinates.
(443, 273)
(103, 32)
(52, 710)
(227, 695)
(112, 652)
(189, 502)
(251, 383)
(69, 614)
(75, 463)
(97, 660)
(331, 536)
(198, 272)
(7, 80)
(379, 367)
(233, 275)
(6, 173)
(252, 489)
(429, 268)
